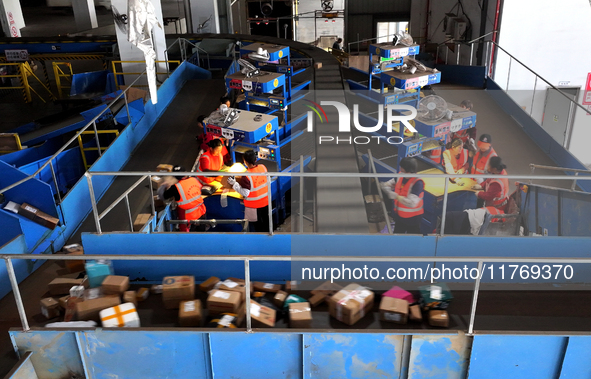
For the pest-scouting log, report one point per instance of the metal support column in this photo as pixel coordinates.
(270, 206)
(17, 294)
(98, 144)
(97, 221)
(444, 210)
(129, 213)
(247, 289)
(475, 299)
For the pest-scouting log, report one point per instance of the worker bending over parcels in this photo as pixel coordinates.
(494, 192)
(407, 194)
(187, 193)
(254, 190)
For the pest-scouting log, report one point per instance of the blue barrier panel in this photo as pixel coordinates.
(55, 352)
(32, 154)
(439, 357)
(576, 363)
(70, 128)
(256, 356)
(145, 354)
(553, 149)
(89, 82)
(24, 369)
(523, 357)
(349, 355)
(22, 268)
(33, 192)
(10, 226)
(472, 76)
(575, 214)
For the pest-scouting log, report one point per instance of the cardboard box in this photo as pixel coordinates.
(435, 296)
(262, 317)
(50, 308)
(159, 204)
(238, 280)
(61, 286)
(119, 316)
(220, 301)
(34, 214)
(115, 285)
(164, 168)
(142, 294)
(75, 249)
(394, 310)
(141, 220)
(414, 313)
(400, 293)
(317, 299)
(176, 289)
(266, 287)
(190, 313)
(291, 285)
(438, 318)
(229, 285)
(327, 288)
(350, 304)
(317, 65)
(279, 298)
(130, 297)
(90, 309)
(97, 271)
(241, 315)
(300, 315)
(63, 301)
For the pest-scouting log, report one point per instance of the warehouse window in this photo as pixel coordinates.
(386, 29)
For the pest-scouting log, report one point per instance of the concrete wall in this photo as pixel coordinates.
(552, 38)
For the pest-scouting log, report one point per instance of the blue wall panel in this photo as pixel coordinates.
(144, 354)
(256, 356)
(577, 361)
(24, 369)
(438, 357)
(9, 225)
(523, 357)
(32, 154)
(472, 76)
(55, 353)
(363, 355)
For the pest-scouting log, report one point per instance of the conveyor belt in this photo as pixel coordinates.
(172, 140)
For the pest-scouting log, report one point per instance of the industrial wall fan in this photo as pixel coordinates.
(432, 108)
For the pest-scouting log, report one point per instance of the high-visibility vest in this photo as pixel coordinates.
(211, 162)
(402, 210)
(460, 162)
(257, 198)
(480, 161)
(191, 201)
(436, 155)
(500, 201)
(495, 211)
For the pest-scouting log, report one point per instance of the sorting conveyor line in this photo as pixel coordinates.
(172, 140)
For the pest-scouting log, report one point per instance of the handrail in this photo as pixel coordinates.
(367, 40)
(468, 42)
(118, 200)
(180, 41)
(534, 166)
(545, 81)
(92, 121)
(285, 258)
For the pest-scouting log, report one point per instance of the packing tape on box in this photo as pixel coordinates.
(119, 315)
(229, 283)
(359, 295)
(300, 310)
(221, 295)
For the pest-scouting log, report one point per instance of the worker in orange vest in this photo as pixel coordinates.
(255, 192)
(407, 194)
(483, 155)
(494, 192)
(455, 160)
(187, 193)
(211, 161)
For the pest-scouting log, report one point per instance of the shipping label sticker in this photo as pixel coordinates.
(189, 306)
(456, 125)
(221, 295)
(32, 210)
(268, 286)
(230, 284)
(435, 293)
(392, 316)
(226, 320)
(255, 310)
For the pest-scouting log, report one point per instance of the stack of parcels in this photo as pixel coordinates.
(401, 295)
(435, 299)
(351, 304)
(176, 289)
(124, 315)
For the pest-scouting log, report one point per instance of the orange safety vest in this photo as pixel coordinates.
(402, 210)
(191, 201)
(436, 155)
(459, 162)
(495, 211)
(209, 162)
(500, 201)
(480, 162)
(257, 198)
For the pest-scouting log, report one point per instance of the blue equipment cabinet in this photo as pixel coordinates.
(276, 52)
(265, 82)
(387, 50)
(409, 81)
(461, 119)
